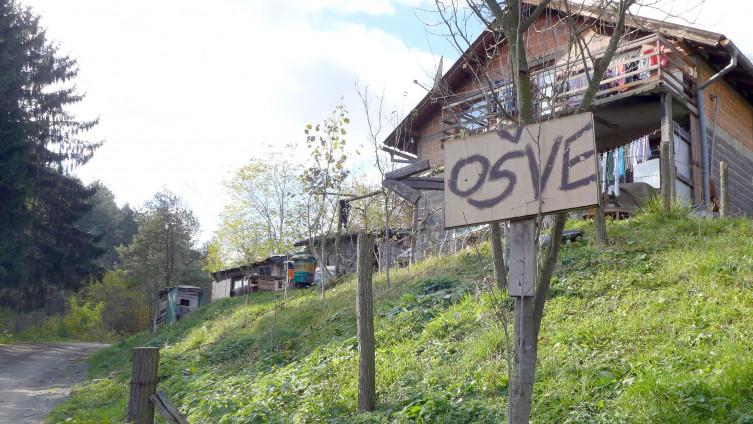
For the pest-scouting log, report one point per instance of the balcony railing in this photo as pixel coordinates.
(559, 88)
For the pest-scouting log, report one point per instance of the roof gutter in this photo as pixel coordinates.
(705, 165)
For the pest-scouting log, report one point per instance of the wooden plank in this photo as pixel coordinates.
(521, 171)
(424, 183)
(672, 47)
(167, 409)
(407, 171)
(402, 190)
(522, 276)
(399, 153)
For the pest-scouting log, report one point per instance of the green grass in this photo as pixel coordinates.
(655, 328)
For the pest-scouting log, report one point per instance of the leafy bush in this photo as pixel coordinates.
(432, 285)
(127, 306)
(84, 321)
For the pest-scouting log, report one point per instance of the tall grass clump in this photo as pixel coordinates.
(652, 207)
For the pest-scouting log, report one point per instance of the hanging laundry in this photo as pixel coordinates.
(631, 65)
(603, 165)
(609, 171)
(616, 159)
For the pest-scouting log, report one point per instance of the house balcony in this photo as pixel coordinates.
(626, 106)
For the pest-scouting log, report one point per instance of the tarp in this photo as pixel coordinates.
(172, 305)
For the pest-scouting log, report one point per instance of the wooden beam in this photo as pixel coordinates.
(667, 159)
(402, 190)
(423, 184)
(398, 153)
(167, 409)
(407, 171)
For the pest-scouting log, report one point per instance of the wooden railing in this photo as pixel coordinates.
(640, 63)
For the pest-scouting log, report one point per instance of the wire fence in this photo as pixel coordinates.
(260, 354)
(398, 283)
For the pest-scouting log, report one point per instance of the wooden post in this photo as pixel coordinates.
(386, 250)
(666, 179)
(522, 275)
(365, 324)
(667, 147)
(143, 385)
(724, 190)
(522, 279)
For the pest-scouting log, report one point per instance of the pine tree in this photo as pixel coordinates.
(41, 250)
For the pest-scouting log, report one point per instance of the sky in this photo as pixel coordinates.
(189, 91)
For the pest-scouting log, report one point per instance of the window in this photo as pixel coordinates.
(185, 302)
(236, 282)
(265, 270)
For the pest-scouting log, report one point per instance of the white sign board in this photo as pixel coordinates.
(519, 171)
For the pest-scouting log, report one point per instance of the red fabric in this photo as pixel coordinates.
(655, 59)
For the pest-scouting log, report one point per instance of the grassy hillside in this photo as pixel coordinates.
(657, 328)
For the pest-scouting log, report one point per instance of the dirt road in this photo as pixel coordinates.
(36, 376)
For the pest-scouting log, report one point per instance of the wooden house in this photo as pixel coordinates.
(271, 274)
(398, 241)
(227, 281)
(178, 301)
(692, 83)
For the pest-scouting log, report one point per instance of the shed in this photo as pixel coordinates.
(178, 301)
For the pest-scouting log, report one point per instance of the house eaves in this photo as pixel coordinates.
(714, 47)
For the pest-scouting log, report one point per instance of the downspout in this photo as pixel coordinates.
(715, 98)
(702, 118)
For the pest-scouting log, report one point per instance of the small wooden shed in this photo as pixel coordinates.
(178, 301)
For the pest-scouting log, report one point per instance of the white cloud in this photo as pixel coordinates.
(188, 91)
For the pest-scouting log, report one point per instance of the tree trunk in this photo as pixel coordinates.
(337, 236)
(500, 270)
(156, 308)
(365, 324)
(600, 223)
(414, 235)
(323, 268)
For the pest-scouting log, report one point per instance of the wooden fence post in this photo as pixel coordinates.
(724, 190)
(365, 324)
(143, 385)
(667, 165)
